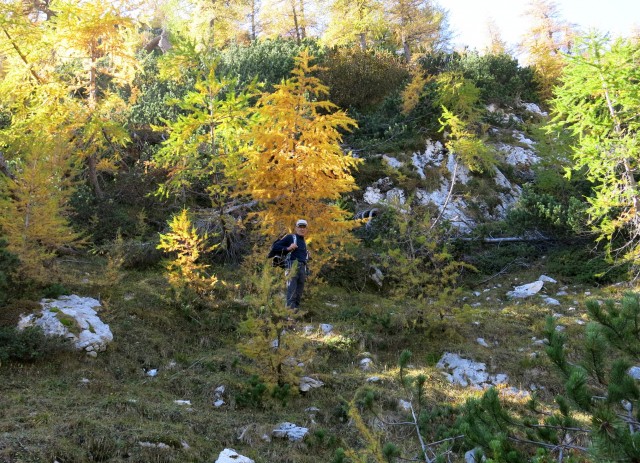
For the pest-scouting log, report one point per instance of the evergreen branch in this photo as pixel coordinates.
(549, 446)
(548, 426)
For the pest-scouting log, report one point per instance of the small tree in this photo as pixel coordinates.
(545, 43)
(34, 207)
(276, 351)
(597, 101)
(205, 143)
(296, 167)
(185, 273)
(418, 262)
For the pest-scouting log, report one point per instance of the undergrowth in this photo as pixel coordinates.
(68, 407)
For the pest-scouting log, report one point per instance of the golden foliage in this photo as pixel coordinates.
(296, 167)
(546, 42)
(276, 350)
(33, 209)
(413, 91)
(184, 272)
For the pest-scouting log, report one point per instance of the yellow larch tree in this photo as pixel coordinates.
(354, 22)
(545, 42)
(96, 42)
(33, 205)
(418, 26)
(296, 166)
(36, 144)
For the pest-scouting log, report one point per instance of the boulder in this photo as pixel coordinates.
(290, 431)
(307, 383)
(526, 290)
(73, 317)
(231, 456)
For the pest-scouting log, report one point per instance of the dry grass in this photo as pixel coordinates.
(72, 408)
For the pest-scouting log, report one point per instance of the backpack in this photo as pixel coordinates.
(279, 258)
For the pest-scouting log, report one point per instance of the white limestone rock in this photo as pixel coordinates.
(465, 372)
(218, 396)
(326, 328)
(526, 290)
(482, 342)
(307, 383)
(518, 156)
(395, 196)
(90, 333)
(634, 372)
(231, 456)
(432, 156)
(455, 211)
(547, 279)
(154, 445)
(535, 109)
(470, 456)
(391, 161)
(373, 195)
(366, 364)
(404, 405)
(290, 431)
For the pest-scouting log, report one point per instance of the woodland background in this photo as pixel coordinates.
(159, 147)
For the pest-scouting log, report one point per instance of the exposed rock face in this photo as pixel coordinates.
(465, 372)
(456, 209)
(465, 211)
(73, 317)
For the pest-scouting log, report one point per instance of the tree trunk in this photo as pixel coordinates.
(295, 23)
(407, 50)
(363, 41)
(93, 176)
(301, 19)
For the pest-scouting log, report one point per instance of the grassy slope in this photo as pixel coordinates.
(49, 411)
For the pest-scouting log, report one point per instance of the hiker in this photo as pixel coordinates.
(296, 263)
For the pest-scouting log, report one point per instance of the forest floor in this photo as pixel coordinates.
(73, 408)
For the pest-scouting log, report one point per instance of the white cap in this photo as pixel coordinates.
(301, 222)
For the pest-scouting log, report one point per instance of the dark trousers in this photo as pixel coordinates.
(296, 276)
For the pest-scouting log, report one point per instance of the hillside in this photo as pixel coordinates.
(69, 407)
(466, 230)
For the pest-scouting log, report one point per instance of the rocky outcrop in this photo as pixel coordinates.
(463, 211)
(72, 317)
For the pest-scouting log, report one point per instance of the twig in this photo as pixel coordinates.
(446, 201)
(504, 269)
(415, 422)
(549, 446)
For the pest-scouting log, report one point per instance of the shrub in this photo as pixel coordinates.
(387, 130)
(361, 79)
(8, 265)
(267, 61)
(585, 266)
(26, 345)
(54, 291)
(548, 213)
(499, 77)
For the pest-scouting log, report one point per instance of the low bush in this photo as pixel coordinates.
(361, 79)
(27, 345)
(8, 264)
(585, 266)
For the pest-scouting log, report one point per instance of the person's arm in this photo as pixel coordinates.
(283, 244)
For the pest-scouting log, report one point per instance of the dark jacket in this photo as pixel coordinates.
(300, 254)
